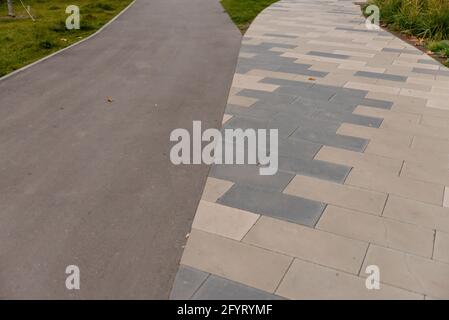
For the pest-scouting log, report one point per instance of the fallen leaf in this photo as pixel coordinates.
(110, 99)
(312, 78)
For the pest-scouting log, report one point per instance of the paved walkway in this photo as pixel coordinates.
(363, 120)
(88, 182)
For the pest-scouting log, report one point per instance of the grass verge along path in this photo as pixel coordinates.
(23, 41)
(425, 21)
(243, 12)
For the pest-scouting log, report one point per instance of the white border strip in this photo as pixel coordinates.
(67, 48)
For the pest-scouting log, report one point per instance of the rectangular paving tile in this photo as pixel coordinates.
(309, 244)
(280, 35)
(223, 220)
(274, 204)
(251, 82)
(218, 288)
(337, 194)
(324, 132)
(249, 175)
(299, 149)
(315, 168)
(215, 188)
(187, 282)
(409, 51)
(284, 126)
(425, 172)
(441, 252)
(379, 230)
(410, 272)
(305, 281)
(425, 71)
(267, 97)
(416, 212)
(404, 187)
(359, 160)
(327, 55)
(403, 152)
(383, 76)
(237, 261)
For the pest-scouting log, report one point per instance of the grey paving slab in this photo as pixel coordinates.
(383, 76)
(425, 71)
(324, 132)
(408, 51)
(217, 288)
(280, 35)
(267, 97)
(253, 112)
(298, 69)
(274, 204)
(327, 54)
(427, 61)
(250, 175)
(285, 126)
(187, 281)
(341, 98)
(298, 149)
(314, 168)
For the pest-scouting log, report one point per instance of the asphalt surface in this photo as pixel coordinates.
(88, 182)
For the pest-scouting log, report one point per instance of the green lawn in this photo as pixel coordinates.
(23, 41)
(243, 12)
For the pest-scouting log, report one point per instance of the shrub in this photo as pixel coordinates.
(423, 18)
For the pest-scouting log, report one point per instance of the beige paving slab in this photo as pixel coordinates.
(407, 103)
(441, 252)
(272, 74)
(400, 186)
(372, 87)
(420, 109)
(309, 244)
(235, 260)
(244, 81)
(404, 152)
(215, 188)
(359, 160)
(416, 212)
(306, 281)
(430, 145)
(380, 230)
(222, 220)
(426, 172)
(410, 272)
(338, 194)
(434, 121)
(416, 129)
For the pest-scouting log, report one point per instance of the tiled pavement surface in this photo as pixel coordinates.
(363, 123)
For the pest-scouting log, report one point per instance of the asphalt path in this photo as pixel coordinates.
(85, 174)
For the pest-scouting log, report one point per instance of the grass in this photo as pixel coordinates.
(243, 12)
(427, 20)
(23, 41)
